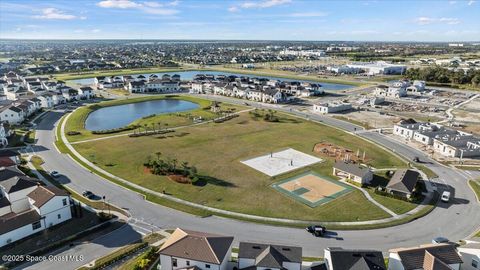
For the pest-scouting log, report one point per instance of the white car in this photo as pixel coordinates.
(445, 196)
(55, 174)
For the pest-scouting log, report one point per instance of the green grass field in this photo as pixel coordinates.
(475, 184)
(77, 119)
(216, 150)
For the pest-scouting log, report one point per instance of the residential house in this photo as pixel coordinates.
(426, 257)
(353, 259)
(470, 254)
(27, 208)
(12, 115)
(46, 100)
(353, 171)
(186, 249)
(403, 182)
(331, 107)
(85, 92)
(255, 256)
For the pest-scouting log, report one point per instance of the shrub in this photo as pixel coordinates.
(73, 133)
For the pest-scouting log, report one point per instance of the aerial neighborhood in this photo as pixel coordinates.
(239, 135)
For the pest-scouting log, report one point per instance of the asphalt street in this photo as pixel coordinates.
(454, 220)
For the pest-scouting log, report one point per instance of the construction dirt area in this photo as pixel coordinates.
(468, 116)
(340, 153)
(372, 119)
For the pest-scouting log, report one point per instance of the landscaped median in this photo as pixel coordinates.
(164, 197)
(475, 185)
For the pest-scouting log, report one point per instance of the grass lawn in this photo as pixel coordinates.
(78, 118)
(468, 168)
(475, 185)
(30, 136)
(396, 205)
(15, 140)
(427, 171)
(217, 149)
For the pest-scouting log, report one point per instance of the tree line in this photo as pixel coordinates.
(444, 75)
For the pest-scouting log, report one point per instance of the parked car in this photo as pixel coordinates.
(416, 159)
(317, 230)
(55, 174)
(445, 196)
(440, 240)
(88, 194)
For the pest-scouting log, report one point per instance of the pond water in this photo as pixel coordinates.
(122, 115)
(188, 75)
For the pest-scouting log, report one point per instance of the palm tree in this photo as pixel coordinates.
(185, 168)
(174, 163)
(158, 154)
(146, 128)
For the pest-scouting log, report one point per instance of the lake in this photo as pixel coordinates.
(122, 115)
(188, 75)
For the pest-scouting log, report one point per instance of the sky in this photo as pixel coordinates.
(355, 20)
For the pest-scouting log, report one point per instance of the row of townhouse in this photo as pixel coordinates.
(400, 88)
(186, 249)
(14, 87)
(205, 84)
(140, 83)
(445, 141)
(26, 206)
(15, 112)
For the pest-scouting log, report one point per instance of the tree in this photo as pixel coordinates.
(174, 164)
(185, 168)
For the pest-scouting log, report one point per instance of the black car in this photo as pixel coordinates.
(317, 230)
(88, 194)
(416, 159)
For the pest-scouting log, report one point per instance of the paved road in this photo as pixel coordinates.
(455, 220)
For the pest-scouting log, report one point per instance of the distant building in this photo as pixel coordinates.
(380, 67)
(331, 107)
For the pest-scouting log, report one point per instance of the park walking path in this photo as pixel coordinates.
(221, 211)
(174, 128)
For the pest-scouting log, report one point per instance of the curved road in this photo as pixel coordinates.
(454, 220)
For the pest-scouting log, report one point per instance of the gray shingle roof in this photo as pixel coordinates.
(353, 259)
(270, 256)
(403, 180)
(351, 168)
